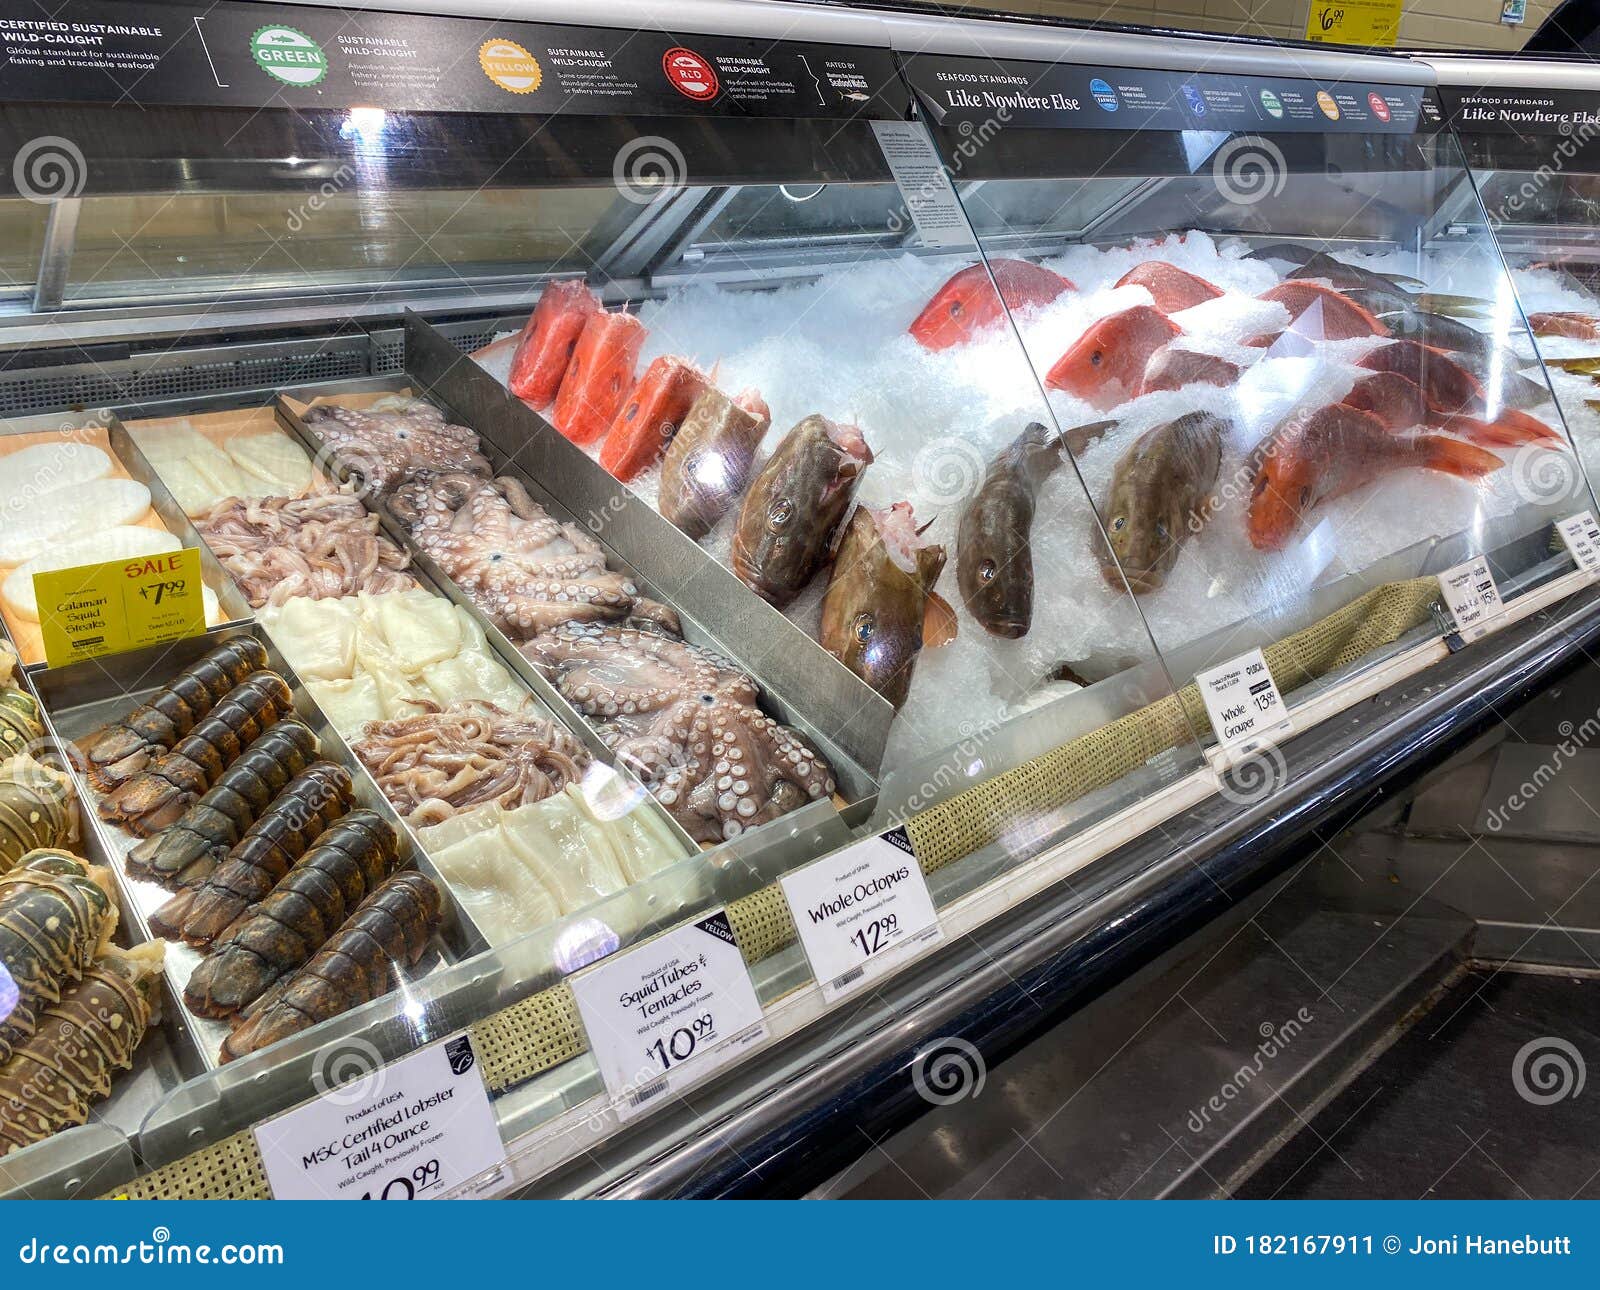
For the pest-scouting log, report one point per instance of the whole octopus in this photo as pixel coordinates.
(325, 544)
(685, 720)
(525, 569)
(391, 441)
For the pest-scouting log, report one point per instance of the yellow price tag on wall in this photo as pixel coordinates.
(120, 605)
(1369, 23)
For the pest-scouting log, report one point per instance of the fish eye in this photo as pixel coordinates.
(987, 570)
(864, 628)
(1094, 359)
(955, 309)
(781, 512)
(1305, 496)
(1119, 523)
(1161, 530)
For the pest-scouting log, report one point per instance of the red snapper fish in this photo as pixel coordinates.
(1322, 454)
(1169, 286)
(1341, 317)
(1572, 326)
(967, 303)
(1399, 402)
(1172, 367)
(1105, 366)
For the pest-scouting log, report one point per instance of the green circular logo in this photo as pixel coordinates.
(1269, 100)
(289, 55)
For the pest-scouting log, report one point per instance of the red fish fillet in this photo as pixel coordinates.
(1322, 454)
(598, 377)
(967, 303)
(1105, 366)
(1341, 317)
(1171, 368)
(651, 416)
(547, 342)
(1172, 288)
(1400, 404)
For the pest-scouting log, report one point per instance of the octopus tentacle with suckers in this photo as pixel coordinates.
(525, 569)
(685, 721)
(388, 444)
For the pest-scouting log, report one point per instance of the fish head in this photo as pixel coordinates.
(965, 305)
(1105, 366)
(1283, 489)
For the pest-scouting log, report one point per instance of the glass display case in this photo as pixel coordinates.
(759, 498)
(1527, 128)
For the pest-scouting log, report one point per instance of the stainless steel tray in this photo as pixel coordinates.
(231, 603)
(83, 697)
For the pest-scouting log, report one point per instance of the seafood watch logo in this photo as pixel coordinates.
(289, 55)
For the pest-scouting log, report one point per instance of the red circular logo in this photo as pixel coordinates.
(690, 74)
(1380, 108)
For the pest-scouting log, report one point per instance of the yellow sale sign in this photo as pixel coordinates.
(120, 605)
(1369, 23)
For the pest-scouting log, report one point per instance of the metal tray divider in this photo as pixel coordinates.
(796, 672)
(441, 584)
(458, 937)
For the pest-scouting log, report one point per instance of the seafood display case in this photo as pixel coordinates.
(637, 474)
(1527, 128)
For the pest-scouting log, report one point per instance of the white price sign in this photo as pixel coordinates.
(415, 1129)
(1472, 596)
(1582, 536)
(668, 1013)
(1244, 705)
(861, 912)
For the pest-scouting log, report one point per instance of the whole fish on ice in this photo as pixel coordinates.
(709, 460)
(967, 304)
(1328, 314)
(1172, 367)
(880, 610)
(1169, 286)
(1160, 496)
(994, 541)
(1105, 366)
(1399, 402)
(1323, 454)
(795, 504)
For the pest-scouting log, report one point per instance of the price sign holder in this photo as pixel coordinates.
(419, 1128)
(1245, 706)
(1582, 535)
(667, 1014)
(1473, 598)
(98, 609)
(861, 912)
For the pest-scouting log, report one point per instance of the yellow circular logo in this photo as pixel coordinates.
(510, 66)
(1330, 109)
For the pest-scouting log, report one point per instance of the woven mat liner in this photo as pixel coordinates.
(542, 1031)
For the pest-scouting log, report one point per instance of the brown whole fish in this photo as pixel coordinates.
(709, 460)
(1160, 490)
(880, 609)
(994, 543)
(795, 505)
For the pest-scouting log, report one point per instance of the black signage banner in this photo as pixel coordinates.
(164, 52)
(976, 91)
(1521, 111)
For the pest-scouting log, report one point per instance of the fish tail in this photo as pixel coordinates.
(1529, 428)
(1452, 457)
